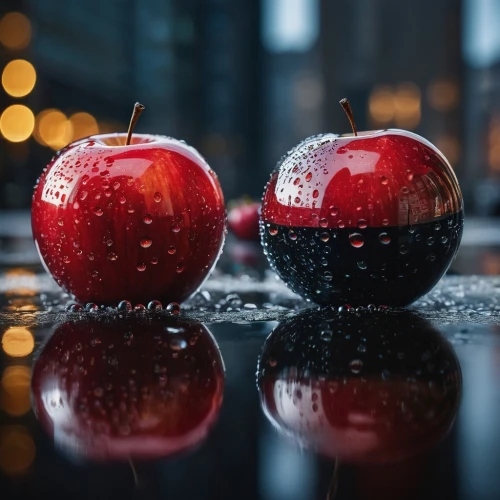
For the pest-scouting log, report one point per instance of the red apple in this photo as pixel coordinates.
(369, 218)
(138, 221)
(373, 388)
(243, 220)
(131, 389)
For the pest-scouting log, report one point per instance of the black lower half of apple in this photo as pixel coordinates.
(392, 266)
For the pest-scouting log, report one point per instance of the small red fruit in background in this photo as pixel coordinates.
(375, 217)
(131, 389)
(243, 220)
(139, 217)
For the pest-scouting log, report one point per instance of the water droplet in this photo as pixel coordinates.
(74, 308)
(315, 193)
(173, 308)
(356, 240)
(384, 180)
(362, 265)
(296, 181)
(146, 242)
(122, 200)
(125, 305)
(324, 237)
(60, 222)
(323, 222)
(431, 257)
(385, 222)
(356, 365)
(116, 185)
(91, 307)
(403, 249)
(154, 260)
(147, 219)
(309, 176)
(297, 199)
(409, 176)
(85, 179)
(444, 239)
(155, 305)
(171, 250)
(177, 344)
(83, 195)
(292, 234)
(385, 374)
(98, 211)
(141, 267)
(112, 256)
(361, 348)
(180, 267)
(384, 238)
(66, 259)
(340, 224)
(362, 223)
(139, 307)
(327, 276)
(157, 197)
(273, 231)
(405, 190)
(334, 210)
(430, 240)
(176, 227)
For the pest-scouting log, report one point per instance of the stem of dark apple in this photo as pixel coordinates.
(348, 111)
(138, 109)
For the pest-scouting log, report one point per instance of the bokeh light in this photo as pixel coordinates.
(443, 95)
(449, 145)
(15, 394)
(83, 125)
(17, 341)
(407, 102)
(18, 78)
(17, 449)
(15, 30)
(17, 123)
(53, 129)
(381, 105)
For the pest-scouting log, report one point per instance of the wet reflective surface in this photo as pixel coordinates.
(393, 404)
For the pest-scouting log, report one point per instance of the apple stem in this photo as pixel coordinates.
(138, 109)
(132, 466)
(348, 111)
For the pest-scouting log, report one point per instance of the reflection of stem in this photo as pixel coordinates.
(134, 472)
(332, 489)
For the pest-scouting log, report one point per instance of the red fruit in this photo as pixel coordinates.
(243, 221)
(140, 222)
(374, 218)
(369, 388)
(128, 390)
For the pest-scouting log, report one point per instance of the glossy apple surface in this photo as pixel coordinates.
(139, 222)
(134, 389)
(243, 221)
(375, 218)
(374, 388)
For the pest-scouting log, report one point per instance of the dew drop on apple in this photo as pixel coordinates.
(309, 177)
(180, 267)
(315, 193)
(139, 307)
(409, 176)
(444, 239)
(327, 276)
(384, 180)
(157, 197)
(131, 210)
(340, 224)
(141, 267)
(334, 211)
(147, 219)
(66, 259)
(385, 222)
(177, 344)
(292, 234)
(173, 308)
(98, 211)
(324, 237)
(85, 179)
(362, 264)
(155, 305)
(60, 222)
(125, 305)
(356, 240)
(437, 226)
(74, 307)
(154, 260)
(91, 307)
(122, 200)
(273, 231)
(83, 195)
(146, 242)
(90, 256)
(109, 242)
(176, 227)
(323, 222)
(430, 240)
(384, 238)
(403, 249)
(404, 190)
(116, 185)
(362, 224)
(356, 365)
(112, 256)
(171, 250)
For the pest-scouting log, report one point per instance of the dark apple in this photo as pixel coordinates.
(243, 220)
(131, 389)
(118, 217)
(368, 388)
(374, 217)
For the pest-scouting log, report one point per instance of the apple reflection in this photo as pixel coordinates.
(128, 390)
(364, 388)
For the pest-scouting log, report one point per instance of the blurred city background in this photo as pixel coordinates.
(245, 80)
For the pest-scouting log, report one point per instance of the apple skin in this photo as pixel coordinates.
(371, 388)
(387, 182)
(139, 222)
(243, 221)
(132, 389)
